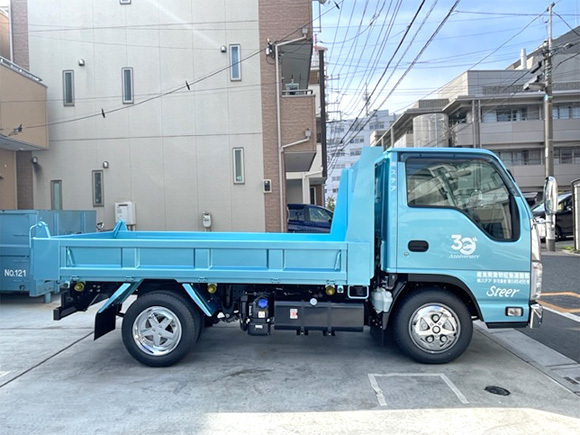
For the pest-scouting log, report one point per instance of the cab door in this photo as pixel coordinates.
(462, 219)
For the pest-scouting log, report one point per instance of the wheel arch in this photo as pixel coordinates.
(414, 283)
(172, 286)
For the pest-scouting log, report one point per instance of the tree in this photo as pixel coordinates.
(330, 203)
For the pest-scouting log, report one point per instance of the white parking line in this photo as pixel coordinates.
(567, 315)
(381, 397)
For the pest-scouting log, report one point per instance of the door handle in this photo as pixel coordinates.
(418, 246)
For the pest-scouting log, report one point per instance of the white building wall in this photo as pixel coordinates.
(171, 155)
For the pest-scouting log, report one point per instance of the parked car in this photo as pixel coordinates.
(308, 218)
(564, 216)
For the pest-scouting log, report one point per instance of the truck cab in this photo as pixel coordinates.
(454, 225)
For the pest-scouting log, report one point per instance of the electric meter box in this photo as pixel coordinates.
(125, 211)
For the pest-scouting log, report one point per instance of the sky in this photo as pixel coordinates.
(365, 54)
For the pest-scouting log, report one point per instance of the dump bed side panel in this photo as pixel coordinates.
(76, 258)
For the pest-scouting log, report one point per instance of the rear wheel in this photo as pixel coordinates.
(159, 329)
(432, 326)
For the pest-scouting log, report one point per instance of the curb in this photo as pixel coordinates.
(556, 366)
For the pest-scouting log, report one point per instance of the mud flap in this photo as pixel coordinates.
(105, 320)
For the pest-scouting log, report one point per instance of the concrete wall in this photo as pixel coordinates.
(170, 154)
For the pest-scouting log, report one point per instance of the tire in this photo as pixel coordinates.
(558, 232)
(160, 328)
(432, 326)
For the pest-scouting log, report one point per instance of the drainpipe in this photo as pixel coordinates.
(279, 126)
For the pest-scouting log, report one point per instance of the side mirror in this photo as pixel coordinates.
(551, 196)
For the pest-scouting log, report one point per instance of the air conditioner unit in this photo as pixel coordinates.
(125, 211)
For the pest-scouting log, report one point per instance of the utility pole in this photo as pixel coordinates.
(322, 84)
(549, 127)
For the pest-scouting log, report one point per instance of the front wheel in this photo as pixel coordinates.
(159, 329)
(432, 326)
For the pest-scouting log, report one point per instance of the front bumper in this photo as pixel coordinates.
(536, 314)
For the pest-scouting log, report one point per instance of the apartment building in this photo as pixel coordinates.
(491, 109)
(346, 138)
(188, 114)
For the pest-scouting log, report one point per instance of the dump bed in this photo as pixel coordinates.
(343, 257)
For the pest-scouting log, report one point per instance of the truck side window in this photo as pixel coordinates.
(474, 187)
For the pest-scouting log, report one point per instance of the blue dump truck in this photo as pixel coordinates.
(15, 225)
(423, 242)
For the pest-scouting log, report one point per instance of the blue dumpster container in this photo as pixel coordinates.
(15, 229)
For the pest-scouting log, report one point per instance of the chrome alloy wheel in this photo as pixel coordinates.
(434, 328)
(157, 331)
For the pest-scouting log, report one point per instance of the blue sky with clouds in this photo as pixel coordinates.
(362, 36)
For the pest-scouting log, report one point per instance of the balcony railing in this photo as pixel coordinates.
(296, 92)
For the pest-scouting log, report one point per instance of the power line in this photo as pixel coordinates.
(439, 27)
(565, 22)
(156, 26)
(389, 62)
(187, 85)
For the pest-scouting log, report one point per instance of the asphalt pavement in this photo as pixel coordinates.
(55, 379)
(561, 300)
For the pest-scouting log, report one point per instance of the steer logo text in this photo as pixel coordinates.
(464, 246)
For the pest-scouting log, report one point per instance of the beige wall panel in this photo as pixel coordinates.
(23, 102)
(7, 180)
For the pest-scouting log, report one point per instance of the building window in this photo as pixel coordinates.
(56, 195)
(377, 126)
(68, 88)
(127, 76)
(235, 62)
(98, 190)
(565, 156)
(355, 152)
(566, 111)
(510, 115)
(522, 157)
(239, 166)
